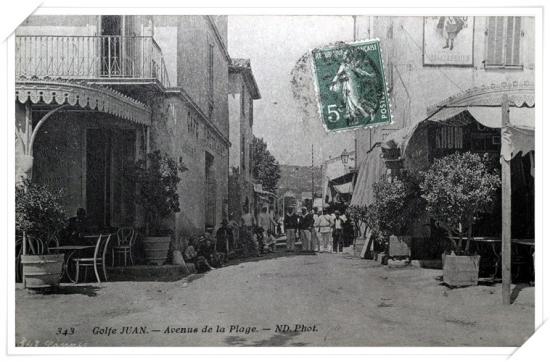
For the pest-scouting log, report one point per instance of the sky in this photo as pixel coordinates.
(274, 44)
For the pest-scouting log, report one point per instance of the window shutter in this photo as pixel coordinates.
(516, 42)
(503, 41)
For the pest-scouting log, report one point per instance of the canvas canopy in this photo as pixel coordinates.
(480, 103)
(370, 170)
(484, 105)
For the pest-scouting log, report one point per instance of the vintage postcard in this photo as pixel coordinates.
(176, 186)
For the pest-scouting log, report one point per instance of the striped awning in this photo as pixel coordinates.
(482, 104)
(82, 95)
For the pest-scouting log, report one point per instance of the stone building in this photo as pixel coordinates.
(113, 88)
(243, 90)
(446, 77)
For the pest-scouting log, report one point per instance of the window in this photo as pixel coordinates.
(250, 160)
(251, 112)
(503, 41)
(243, 153)
(242, 101)
(210, 64)
(389, 76)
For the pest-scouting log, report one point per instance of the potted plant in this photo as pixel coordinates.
(39, 217)
(397, 204)
(457, 189)
(158, 182)
(366, 221)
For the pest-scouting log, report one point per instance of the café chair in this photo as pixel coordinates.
(98, 259)
(125, 241)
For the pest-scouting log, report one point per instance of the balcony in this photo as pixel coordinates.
(103, 59)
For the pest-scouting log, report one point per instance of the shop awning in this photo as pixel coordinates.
(343, 184)
(484, 105)
(371, 170)
(82, 95)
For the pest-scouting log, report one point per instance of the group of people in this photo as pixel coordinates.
(204, 253)
(318, 230)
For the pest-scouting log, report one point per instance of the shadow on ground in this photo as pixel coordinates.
(275, 255)
(173, 273)
(277, 340)
(88, 290)
(517, 289)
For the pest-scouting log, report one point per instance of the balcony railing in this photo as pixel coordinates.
(90, 57)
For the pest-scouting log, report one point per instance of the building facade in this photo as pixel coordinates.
(334, 169)
(495, 50)
(446, 77)
(243, 90)
(97, 93)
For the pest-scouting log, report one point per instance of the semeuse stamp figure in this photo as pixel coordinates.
(350, 85)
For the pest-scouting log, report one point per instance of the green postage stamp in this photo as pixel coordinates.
(350, 85)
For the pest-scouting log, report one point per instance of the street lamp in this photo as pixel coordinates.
(344, 157)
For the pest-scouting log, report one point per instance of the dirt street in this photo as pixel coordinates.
(286, 300)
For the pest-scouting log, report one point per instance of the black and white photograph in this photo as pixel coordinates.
(176, 184)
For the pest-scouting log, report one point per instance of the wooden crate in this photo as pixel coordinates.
(460, 270)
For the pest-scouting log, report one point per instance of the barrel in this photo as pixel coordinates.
(42, 271)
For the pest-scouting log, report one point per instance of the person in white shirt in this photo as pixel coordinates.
(315, 244)
(323, 228)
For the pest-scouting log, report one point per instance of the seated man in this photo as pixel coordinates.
(76, 229)
(206, 250)
(196, 255)
(269, 242)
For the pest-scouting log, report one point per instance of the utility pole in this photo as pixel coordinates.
(312, 180)
(506, 251)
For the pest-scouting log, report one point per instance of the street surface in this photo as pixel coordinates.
(282, 300)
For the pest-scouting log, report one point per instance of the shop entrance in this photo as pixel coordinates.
(98, 177)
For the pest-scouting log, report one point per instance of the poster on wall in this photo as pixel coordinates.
(448, 40)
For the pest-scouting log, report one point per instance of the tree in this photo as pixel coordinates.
(158, 194)
(397, 203)
(266, 168)
(457, 189)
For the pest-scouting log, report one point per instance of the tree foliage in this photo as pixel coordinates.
(158, 188)
(457, 189)
(266, 168)
(397, 203)
(38, 212)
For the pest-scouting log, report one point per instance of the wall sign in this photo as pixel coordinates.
(448, 40)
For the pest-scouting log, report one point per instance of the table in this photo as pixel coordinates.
(494, 242)
(70, 251)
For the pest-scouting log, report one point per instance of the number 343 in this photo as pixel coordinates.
(65, 331)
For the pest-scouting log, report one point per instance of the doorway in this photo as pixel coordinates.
(210, 192)
(111, 45)
(98, 177)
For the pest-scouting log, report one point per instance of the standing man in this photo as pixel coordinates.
(305, 225)
(248, 223)
(224, 239)
(315, 245)
(265, 221)
(324, 225)
(337, 232)
(291, 224)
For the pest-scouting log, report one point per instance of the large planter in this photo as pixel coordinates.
(400, 246)
(460, 270)
(42, 271)
(156, 249)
